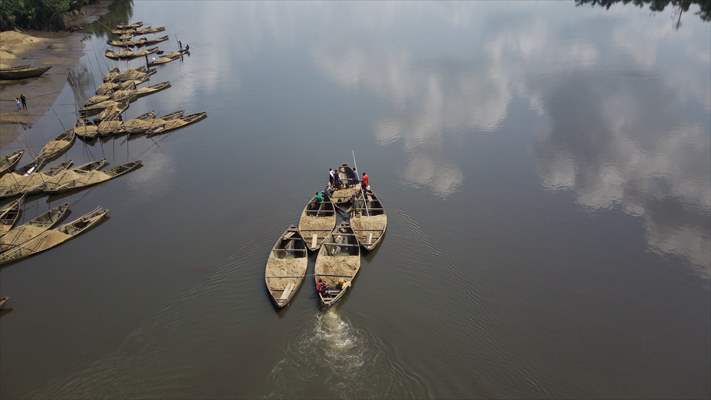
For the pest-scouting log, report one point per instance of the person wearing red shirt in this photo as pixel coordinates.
(364, 181)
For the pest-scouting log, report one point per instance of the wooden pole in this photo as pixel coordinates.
(365, 201)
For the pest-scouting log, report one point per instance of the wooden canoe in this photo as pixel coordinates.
(116, 75)
(316, 224)
(9, 162)
(9, 214)
(177, 123)
(22, 72)
(337, 263)
(144, 125)
(144, 41)
(286, 266)
(75, 179)
(113, 110)
(168, 57)
(54, 237)
(137, 31)
(100, 102)
(368, 219)
(343, 194)
(21, 234)
(134, 25)
(55, 147)
(129, 54)
(29, 180)
(107, 88)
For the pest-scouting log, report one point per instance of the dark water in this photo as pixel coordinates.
(546, 172)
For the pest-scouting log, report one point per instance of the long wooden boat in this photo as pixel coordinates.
(317, 222)
(143, 125)
(134, 25)
(22, 72)
(77, 178)
(8, 162)
(129, 54)
(116, 75)
(137, 31)
(343, 194)
(9, 215)
(177, 123)
(168, 57)
(113, 111)
(21, 234)
(286, 266)
(55, 147)
(110, 87)
(144, 41)
(368, 219)
(337, 264)
(27, 180)
(54, 237)
(100, 102)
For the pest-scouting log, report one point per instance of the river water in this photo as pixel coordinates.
(545, 169)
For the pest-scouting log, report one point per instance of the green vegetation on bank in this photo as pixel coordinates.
(37, 14)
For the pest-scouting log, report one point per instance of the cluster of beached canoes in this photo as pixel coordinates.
(347, 218)
(101, 116)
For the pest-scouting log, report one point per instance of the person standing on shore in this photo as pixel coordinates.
(23, 99)
(18, 104)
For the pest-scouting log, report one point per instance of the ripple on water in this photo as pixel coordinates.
(343, 362)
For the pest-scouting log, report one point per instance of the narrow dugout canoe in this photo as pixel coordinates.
(9, 215)
(177, 123)
(99, 102)
(316, 223)
(286, 266)
(22, 72)
(14, 184)
(107, 88)
(129, 54)
(168, 57)
(141, 42)
(144, 125)
(9, 162)
(134, 25)
(368, 219)
(337, 264)
(116, 75)
(55, 147)
(142, 30)
(20, 235)
(54, 237)
(75, 179)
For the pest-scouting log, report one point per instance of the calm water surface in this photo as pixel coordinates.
(546, 172)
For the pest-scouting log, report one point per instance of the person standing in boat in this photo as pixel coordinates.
(364, 181)
(331, 177)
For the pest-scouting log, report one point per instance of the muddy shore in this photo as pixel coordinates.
(61, 50)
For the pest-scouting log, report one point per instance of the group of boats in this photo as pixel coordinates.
(100, 117)
(348, 217)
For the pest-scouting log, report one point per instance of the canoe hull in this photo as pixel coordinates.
(22, 73)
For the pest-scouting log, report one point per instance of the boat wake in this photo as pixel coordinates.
(332, 358)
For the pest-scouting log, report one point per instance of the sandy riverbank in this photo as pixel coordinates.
(61, 50)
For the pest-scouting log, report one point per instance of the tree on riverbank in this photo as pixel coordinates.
(37, 14)
(681, 6)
